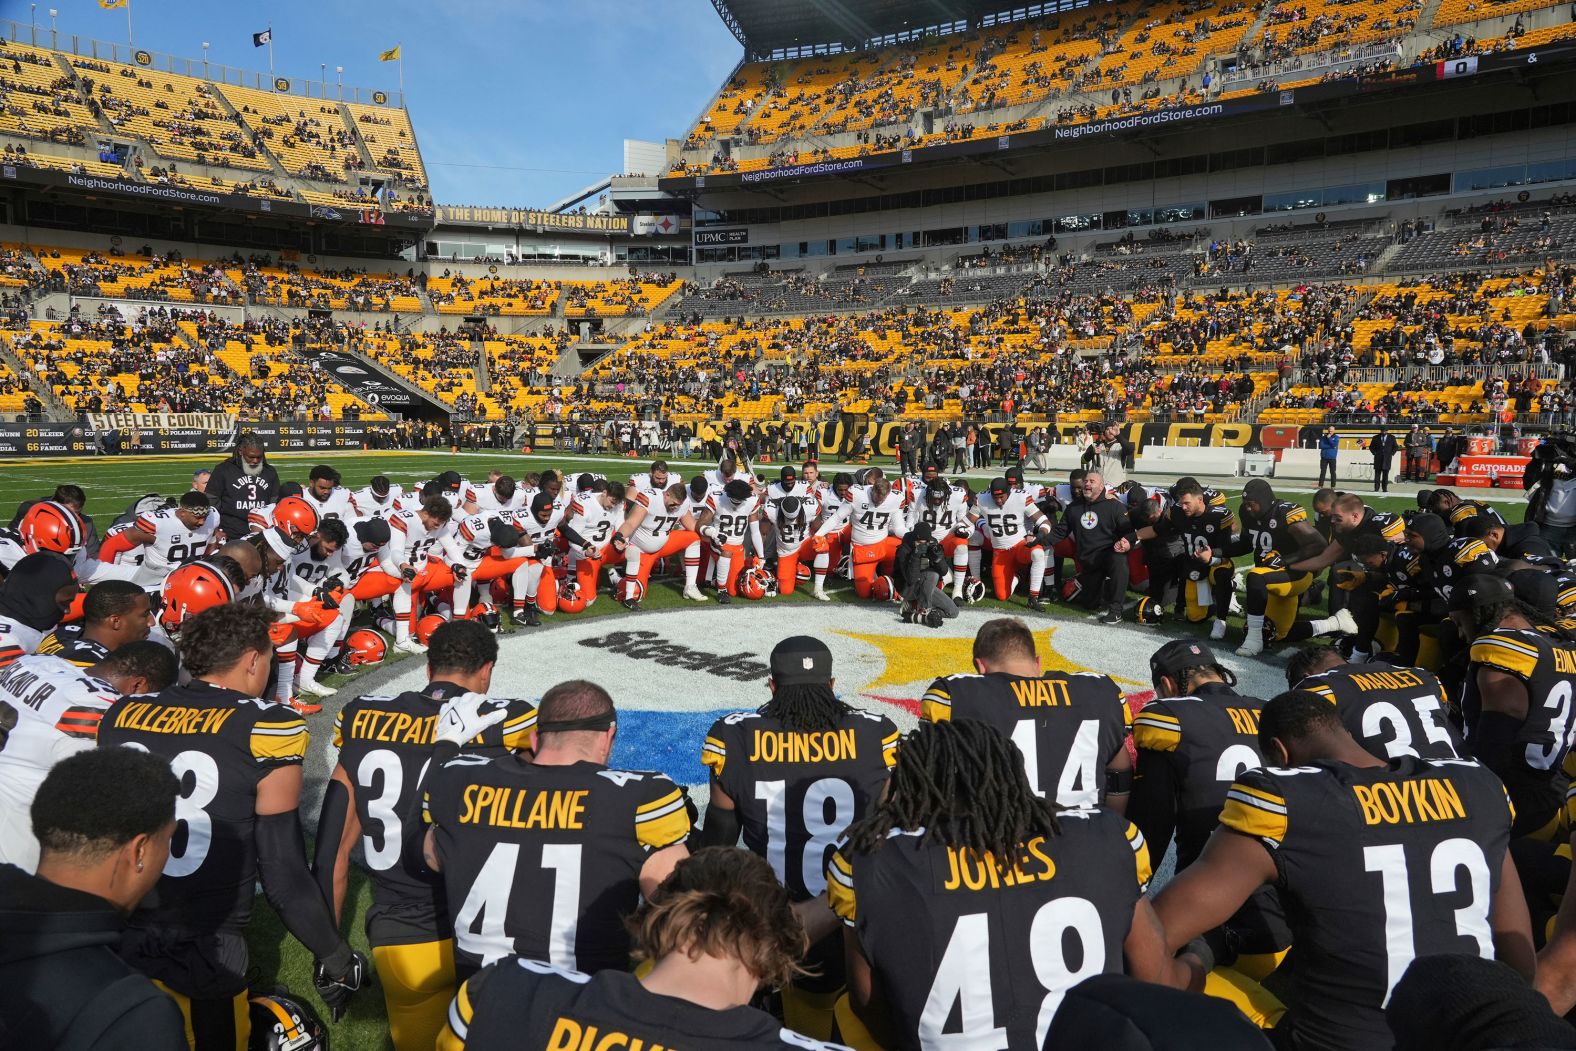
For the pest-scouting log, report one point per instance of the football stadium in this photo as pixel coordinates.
(1000, 465)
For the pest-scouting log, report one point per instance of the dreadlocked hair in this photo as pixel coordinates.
(964, 784)
(1485, 617)
(805, 708)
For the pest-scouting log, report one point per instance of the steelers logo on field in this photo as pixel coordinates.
(674, 672)
(1088, 520)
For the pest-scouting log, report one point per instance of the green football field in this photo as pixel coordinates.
(111, 484)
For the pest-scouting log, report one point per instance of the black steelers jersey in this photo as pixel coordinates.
(1378, 866)
(796, 793)
(1384, 524)
(1271, 534)
(544, 861)
(220, 744)
(1532, 765)
(384, 746)
(525, 1005)
(1467, 510)
(979, 951)
(1190, 750)
(1459, 558)
(1390, 711)
(1213, 530)
(1068, 726)
(67, 643)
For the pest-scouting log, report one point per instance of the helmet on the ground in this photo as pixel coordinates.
(427, 625)
(283, 1022)
(883, 590)
(365, 647)
(570, 600)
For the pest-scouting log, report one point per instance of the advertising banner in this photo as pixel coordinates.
(45, 439)
(365, 383)
(180, 421)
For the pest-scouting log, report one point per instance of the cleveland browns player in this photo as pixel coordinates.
(239, 758)
(374, 798)
(716, 931)
(962, 889)
(158, 541)
(794, 774)
(1070, 728)
(1377, 863)
(544, 859)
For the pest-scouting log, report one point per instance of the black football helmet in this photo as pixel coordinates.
(283, 1022)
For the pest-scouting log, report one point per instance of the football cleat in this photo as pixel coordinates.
(1036, 605)
(1218, 632)
(1252, 646)
(410, 646)
(634, 591)
(317, 689)
(820, 595)
(694, 595)
(305, 707)
(1347, 624)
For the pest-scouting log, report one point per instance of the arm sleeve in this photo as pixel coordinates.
(721, 828)
(1152, 804)
(755, 533)
(330, 829)
(573, 537)
(290, 889)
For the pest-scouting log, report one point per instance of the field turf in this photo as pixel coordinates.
(113, 483)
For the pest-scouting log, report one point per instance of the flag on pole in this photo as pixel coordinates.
(391, 55)
(263, 39)
(110, 5)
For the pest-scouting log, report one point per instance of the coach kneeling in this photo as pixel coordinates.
(1102, 535)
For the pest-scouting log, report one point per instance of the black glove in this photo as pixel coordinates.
(334, 583)
(460, 573)
(336, 990)
(325, 595)
(407, 574)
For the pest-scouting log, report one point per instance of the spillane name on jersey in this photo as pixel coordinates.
(797, 792)
(1206, 741)
(1531, 765)
(1390, 711)
(384, 746)
(1068, 726)
(1378, 865)
(220, 744)
(543, 861)
(1005, 938)
(525, 1005)
(1271, 533)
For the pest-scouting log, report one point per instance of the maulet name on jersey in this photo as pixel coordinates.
(171, 719)
(523, 808)
(830, 746)
(967, 870)
(1409, 802)
(649, 646)
(570, 1035)
(1400, 679)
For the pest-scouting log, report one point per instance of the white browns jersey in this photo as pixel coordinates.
(544, 537)
(337, 505)
(56, 707)
(945, 518)
(358, 562)
(173, 543)
(1010, 521)
(776, 493)
(413, 540)
(872, 520)
(486, 499)
(592, 522)
(658, 523)
(732, 518)
(306, 572)
(794, 530)
(367, 504)
(834, 511)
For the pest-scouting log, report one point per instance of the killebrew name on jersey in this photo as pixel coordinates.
(1400, 679)
(967, 870)
(1040, 693)
(570, 1035)
(1409, 802)
(522, 807)
(171, 719)
(369, 724)
(831, 746)
(649, 646)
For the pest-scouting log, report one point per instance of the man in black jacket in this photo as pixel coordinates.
(104, 819)
(1102, 535)
(243, 483)
(1383, 447)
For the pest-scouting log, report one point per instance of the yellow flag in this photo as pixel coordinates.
(110, 5)
(391, 55)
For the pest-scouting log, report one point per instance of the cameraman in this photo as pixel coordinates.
(1550, 482)
(919, 567)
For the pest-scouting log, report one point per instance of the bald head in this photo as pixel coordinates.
(245, 554)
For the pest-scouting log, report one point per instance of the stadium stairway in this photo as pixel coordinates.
(281, 175)
(68, 70)
(362, 150)
(481, 372)
(54, 408)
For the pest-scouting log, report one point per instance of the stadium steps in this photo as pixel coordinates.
(1425, 18)
(481, 373)
(1382, 263)
(279, 171)
(361, 146)
(54, 408)
(105, 128)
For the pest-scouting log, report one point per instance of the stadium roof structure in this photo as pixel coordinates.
(774, 28)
